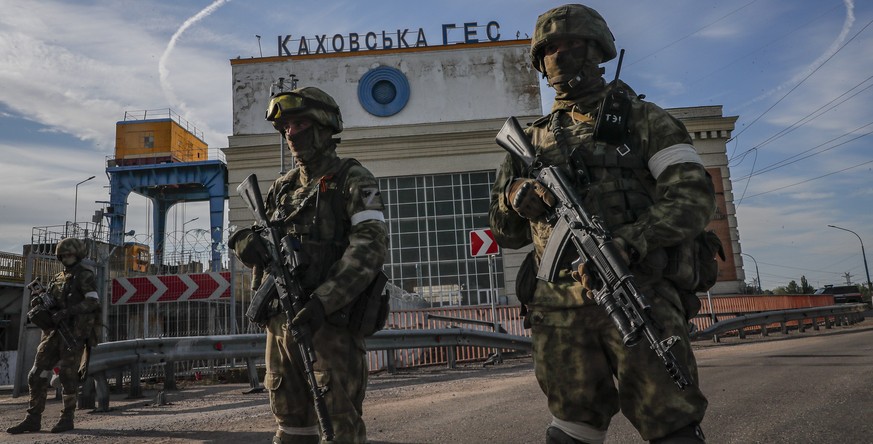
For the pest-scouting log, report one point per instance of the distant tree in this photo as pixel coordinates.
(791, 288)
(805, 288)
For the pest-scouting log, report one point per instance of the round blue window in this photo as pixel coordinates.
(383, 91)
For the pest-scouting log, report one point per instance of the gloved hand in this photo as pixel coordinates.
(61, 315)
(529, 198)
(311, 314)
(589, 281)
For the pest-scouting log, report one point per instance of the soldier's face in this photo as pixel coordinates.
(295, 125)
(68, 259)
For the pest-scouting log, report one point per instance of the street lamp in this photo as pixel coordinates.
(863, 255)
(756, 272)
(76, 204)
(183, 237)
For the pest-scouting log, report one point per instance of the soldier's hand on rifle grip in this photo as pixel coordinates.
(529, 198)
(589, 282)
(311, 314)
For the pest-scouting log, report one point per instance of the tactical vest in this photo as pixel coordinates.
(316, 215)
(66, 290)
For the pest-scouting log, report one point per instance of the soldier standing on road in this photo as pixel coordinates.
(74, 292)
(654, 196)
(334, 208)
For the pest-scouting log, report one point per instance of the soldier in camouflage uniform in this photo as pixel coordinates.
(333, 206)
(74, 290)
(653, 194)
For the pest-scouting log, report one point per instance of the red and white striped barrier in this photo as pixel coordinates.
(171, 288)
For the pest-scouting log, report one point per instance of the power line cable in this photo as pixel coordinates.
(815, 114)
(809, 180)
(689, 35)
(803, 79)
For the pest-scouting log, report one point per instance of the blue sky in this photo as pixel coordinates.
(796, 72)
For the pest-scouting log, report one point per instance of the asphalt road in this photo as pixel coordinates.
(813, 388)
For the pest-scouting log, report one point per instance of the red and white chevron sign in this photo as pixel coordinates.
(482, 243)
(171, 288)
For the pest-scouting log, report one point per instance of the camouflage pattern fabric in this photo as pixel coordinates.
(650, 215)
(345, 242)
(341, 367)
(68, 289)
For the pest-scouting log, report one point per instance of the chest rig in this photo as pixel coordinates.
(315, 214)
(612, 180)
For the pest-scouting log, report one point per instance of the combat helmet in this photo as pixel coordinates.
(71, 245)
(571, 21)
(307, 101)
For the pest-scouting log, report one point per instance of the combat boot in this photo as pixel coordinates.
(64, 423)
(555, 435)
(690, 434)
(283, 438)
(66, 420)
(31, 423)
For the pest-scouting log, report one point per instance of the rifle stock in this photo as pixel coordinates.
(619, 295)
(284, 267)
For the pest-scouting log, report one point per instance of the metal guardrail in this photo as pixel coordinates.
(116, 356)
(112, 357)
(848, 313)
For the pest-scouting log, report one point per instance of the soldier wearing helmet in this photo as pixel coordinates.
(653, 194)
(76, 304)
(332, 205)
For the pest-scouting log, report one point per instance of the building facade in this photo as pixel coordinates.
(423, 120)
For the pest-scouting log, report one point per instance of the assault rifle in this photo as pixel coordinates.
(286, 266)
(619, 295)
(41, 314)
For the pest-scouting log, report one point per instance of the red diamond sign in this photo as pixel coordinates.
(482, 243)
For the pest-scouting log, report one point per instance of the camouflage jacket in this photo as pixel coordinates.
(341, 227)
(656, 196)
(75, 289)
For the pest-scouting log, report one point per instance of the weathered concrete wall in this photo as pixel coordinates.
(447, 84)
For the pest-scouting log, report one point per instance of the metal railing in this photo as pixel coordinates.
(762, 322)
(113, 358)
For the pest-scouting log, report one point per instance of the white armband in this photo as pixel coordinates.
(672, 155)
(363, 216)
(92, 294)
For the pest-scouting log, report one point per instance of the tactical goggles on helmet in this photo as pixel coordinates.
(288, 103)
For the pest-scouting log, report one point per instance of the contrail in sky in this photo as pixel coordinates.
(847, 26)
(169, 94)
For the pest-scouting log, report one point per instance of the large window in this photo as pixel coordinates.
(429, 223)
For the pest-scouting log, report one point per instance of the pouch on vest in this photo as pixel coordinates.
(526, 284)
(692, 267)
(261, 308)
(368, 313)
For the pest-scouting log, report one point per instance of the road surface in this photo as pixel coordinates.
(812, 388)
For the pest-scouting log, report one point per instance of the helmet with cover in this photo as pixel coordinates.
(309, 102)
(571, 21)
(71, 245)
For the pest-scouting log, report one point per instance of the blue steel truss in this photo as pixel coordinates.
(166, 185)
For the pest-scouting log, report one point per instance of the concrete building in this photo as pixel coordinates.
(423, 120)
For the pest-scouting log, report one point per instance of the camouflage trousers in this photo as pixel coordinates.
(341, 366)
(51, 353)
(588, 374)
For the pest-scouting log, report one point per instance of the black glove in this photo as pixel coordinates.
(61, 315)
(311, 314)
(529, 198)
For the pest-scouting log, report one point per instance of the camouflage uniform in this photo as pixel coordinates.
(334, 208)
(577, 350)
(343, 259)
(75, 290)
